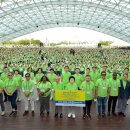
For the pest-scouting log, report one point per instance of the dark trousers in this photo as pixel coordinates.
(44, 103)
(5, 96)
(87, 108)
(112, 103)
(2, 102)
(13, 99)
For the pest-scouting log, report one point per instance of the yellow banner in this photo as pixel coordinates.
(69, 95)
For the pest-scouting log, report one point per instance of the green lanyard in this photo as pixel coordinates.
(104, 84)
(9, 83)
(88, 85)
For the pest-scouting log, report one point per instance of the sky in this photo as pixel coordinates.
(72, 34)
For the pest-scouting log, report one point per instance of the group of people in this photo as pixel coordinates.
(26, 77)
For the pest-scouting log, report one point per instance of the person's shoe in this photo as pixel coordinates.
(114, 114)
(69, 115)
(48, 113)
(95, 100)
(56, 115)
(99, 115)
(89, 116)
(5, 100)
(73, 116)
(33, 113)
(15, 114)
(103, 115)
(84, 116)
(11, 114)
(61, 115)
(119, 113)
(42, 114)
(108, 114)
(123, 114)
(25, 113)
(2, 113)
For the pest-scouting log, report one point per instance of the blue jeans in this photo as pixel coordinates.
(101, 104)
(12, 99)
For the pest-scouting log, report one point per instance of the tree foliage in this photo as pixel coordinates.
(105, 43)
(23, 42)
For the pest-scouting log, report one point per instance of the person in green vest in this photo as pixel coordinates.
(4, 76)
(65, 75)
(43, 89)
(28, 87)
(89, 88)
(18, 77)
(1, 98)
(114, 84)
(51, 76)
(102, 86)
(71, 86)
(10, 88)
(57, 85)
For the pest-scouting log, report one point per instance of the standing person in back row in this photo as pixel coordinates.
(102, 85)
(65, 75)
(124, 95)
(114, 85)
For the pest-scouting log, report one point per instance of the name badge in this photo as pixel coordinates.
(88, 92)
(114, 89)
(104, 88)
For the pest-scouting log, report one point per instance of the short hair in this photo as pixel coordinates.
(27, 74)
(51, 69)
(88, 69)
(88, 76)
(66, 67)
(71, 77)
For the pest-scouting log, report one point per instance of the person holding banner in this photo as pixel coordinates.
(71, 86)
(57, 85)
(44, 95)
(89, 88)
(10, 88)
(102, 86)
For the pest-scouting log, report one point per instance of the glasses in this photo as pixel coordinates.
(9, 75)
(27, 76)
(103, 74)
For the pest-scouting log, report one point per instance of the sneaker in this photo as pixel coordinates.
(61, 115)
(103, 115)
(15, 114)
(69, 115)
(84, 116)
(73, 116)
(89, 116)
(114, 114)
(95, 100)
(25, 113)
(11, 114)
(123, 114)
(56, 115)
(2, 113)
(42, 114)
(119, 113)
(33, 113)
(48, 113)
(99, 115)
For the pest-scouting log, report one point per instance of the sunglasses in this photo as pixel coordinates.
(9, 75)
(103, 74)
(27, 76)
